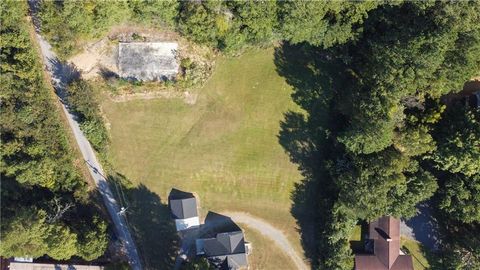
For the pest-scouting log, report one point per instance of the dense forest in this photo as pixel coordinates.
(398, 144)
(377, 137)
(46, 206)
(224, 25)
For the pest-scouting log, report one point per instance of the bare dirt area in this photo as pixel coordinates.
(99, 59)
(188, 97)
(98, 55)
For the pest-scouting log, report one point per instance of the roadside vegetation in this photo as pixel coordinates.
(83, 101)
(47, 208)
(352, 92)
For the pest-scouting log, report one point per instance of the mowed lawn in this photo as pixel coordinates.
(419, 255)
(224, 148)
(263, 256)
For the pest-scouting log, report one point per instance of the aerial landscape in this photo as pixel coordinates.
(241, 134)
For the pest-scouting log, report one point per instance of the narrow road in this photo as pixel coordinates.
(270, 232)
(61, 74)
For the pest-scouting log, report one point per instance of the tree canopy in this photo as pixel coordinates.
(42, 191)
(458, 139)
(375, 115)
(323, 23)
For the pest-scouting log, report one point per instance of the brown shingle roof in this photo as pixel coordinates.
(385, 233)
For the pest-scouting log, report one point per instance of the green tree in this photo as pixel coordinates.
(461, 245)
(323, 23)
(29, 120)
(83, 101)
(36, 162)
(339, 230)
(460, 197)
(198, 264)
(25, 236)
(108, 13)
(58, 32)
(458, 139)
(381, 184)
(413, 137)
(92, 242)
(256, 19)
(62, 242)
(66, 23)
(202, 21)
(397, 59)
(155, 12)
(30, 235)
(81, 98)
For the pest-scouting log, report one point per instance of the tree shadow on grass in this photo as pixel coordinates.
(358, 246)
(306, 137)
(151, 223)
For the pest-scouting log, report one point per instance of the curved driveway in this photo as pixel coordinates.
(270, 232)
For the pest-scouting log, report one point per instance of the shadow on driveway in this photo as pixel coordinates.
(423, 227)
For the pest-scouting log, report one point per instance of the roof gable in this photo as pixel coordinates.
(233, 242)
(386, 235)
(184, 208)
(183, 205)
(225, 244)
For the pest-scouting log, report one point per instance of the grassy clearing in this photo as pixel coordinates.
(224, 148)
(414, 248)
(357, 241)
(357, 233)
(264, 255)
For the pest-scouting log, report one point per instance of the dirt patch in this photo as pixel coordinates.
(96, 57)
(188, 97)
(99, 58)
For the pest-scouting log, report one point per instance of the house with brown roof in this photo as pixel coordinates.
(385, 235)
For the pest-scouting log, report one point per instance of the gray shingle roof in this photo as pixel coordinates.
(226, 250)
(230, 262)
(224, 244)
(182, 204)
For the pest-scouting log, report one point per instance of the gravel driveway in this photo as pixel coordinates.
(274, 234)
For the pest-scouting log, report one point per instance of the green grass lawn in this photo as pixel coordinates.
(263, 256)
(414, 248)
(357, 241)
(357, 233)
(224, 148)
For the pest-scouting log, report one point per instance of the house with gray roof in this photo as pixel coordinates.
(225, 250)
(183, 207)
